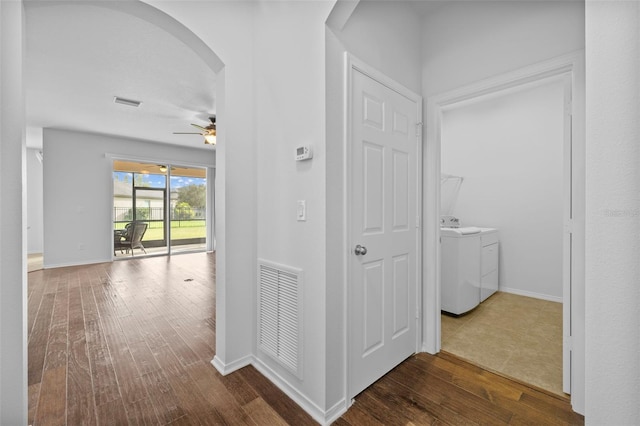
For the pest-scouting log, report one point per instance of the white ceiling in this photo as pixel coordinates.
(79, 56)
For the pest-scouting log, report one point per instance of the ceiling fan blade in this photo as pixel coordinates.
(187, 133)
(199, 127)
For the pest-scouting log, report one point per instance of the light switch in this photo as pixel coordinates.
(302, 211)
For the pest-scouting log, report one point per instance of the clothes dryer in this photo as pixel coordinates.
(469, 267)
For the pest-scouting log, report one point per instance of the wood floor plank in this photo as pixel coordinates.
(139, 341)
(179, 347)
(358, 416)
(52, 405)
(432, 405)
(75, 326)
(478, 384)
(474, 380)
(143, 357)
(374, 404)
(34, 396)
(164, 399)
(89, 307)
(80, 393)
(56, 355)
(112, 413)
(37, 347)
(263, 414)
(388, 397)
(207, 379)
(36, 286)
(105, 384)
(548, 406)
(450, 396)
(283, 405)
(131, 329)
(192, 401)
(141, 413)
(189, 332)
(238, 387)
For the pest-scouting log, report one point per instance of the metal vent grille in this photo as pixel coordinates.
(279, 315)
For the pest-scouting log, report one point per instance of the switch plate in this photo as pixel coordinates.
(301, 212)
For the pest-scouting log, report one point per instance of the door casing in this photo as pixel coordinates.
(573, 66)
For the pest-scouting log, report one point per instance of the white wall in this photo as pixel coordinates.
(78, 190)
(273, 54)
(13, 271)
(464, 42)
(613, 210)
(227, 28)
(386, 36)
(289, 112)
(35, 202)
(509, 150)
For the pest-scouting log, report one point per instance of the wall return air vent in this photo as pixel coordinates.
(280, 314)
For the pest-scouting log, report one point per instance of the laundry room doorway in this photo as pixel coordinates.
(515, 165)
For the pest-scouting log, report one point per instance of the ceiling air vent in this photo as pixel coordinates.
(129, 102)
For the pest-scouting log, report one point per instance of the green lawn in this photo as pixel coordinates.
(180, 229)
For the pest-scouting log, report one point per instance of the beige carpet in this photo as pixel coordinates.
(518, 336)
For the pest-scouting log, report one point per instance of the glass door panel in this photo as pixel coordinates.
(150, 208)
(188, 209)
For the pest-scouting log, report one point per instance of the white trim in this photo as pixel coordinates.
(323, 417)
(156, 160)
(354, 64)
(532, 73)
(225, 369)
(572, 64)
(292, 392)
(338, 409)
(567, 213)
(84, 262)
(540, 296)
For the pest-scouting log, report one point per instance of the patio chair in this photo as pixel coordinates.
(134, 232)
(120, 235)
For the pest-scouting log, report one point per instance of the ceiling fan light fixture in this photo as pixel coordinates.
(210, 138)
(163, 168)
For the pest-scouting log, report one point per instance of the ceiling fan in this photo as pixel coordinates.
(208, 132)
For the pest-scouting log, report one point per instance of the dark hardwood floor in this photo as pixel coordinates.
(130, 343)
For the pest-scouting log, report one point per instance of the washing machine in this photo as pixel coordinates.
(469, 267)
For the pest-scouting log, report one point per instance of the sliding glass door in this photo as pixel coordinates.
(169, 200)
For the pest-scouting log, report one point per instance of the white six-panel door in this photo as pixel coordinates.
(383, 225)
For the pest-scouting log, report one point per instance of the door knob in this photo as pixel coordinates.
(360, 250)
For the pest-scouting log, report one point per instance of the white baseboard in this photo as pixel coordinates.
(225, 369)
(336, 411)
(319, 415)
(530, 294)
(84, 262)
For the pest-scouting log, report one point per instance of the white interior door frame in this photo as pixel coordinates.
(353, 64)
(573, 65)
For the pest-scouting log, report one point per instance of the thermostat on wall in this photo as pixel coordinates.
(304, 153)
